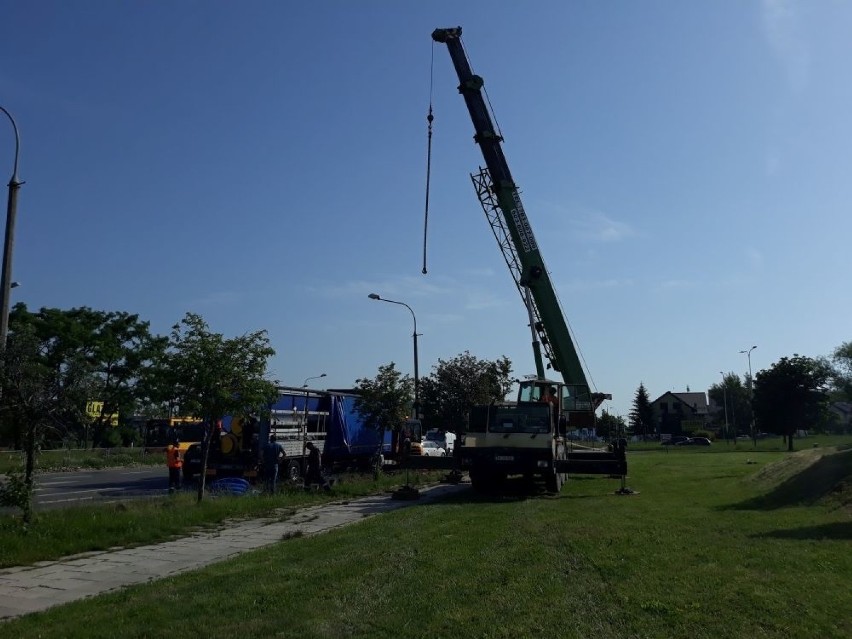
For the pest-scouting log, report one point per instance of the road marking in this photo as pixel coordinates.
(92, 490)
(59, 501)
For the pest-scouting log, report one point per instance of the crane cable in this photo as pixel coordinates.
(429, 119)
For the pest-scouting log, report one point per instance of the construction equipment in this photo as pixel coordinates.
(527, 437)
(329, 419)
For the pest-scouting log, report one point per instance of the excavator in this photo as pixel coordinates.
(527, 437)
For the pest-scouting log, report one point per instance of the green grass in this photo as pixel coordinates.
(768, 444)
(65, 459)
(59, 533)
(709, 548)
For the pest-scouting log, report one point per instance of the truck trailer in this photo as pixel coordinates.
(329, 419)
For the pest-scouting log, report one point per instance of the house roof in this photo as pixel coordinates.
(695, 401)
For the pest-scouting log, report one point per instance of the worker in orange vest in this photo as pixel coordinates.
(174, 460)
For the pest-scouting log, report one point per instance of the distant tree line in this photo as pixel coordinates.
(793, 394)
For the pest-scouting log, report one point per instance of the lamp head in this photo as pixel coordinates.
(374, 296)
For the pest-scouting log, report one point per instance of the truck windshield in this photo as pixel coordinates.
(529, 418)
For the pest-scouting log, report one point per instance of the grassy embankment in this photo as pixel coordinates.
(715, 545)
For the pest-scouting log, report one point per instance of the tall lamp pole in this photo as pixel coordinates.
(8, 244)
(725, 391)
(747, 353)
(305, 431)
(374, 296)
(305, 385)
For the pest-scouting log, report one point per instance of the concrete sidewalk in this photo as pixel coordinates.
(25, 589)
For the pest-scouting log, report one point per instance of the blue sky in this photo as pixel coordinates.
(685, 167)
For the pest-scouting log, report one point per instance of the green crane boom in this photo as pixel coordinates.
(502, 202)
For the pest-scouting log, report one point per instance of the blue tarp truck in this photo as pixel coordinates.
(329, 419)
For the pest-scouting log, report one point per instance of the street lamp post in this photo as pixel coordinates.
(725, 395)
(747, 353)
(305, 385)
(374, 296)
(9, 241)
(305, 427)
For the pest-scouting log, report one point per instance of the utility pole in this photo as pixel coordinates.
(725, 392)
(751, 393)
(9, 241)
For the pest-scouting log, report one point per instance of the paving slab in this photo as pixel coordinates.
(28, 589)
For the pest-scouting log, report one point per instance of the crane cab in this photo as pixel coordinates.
(572, 402)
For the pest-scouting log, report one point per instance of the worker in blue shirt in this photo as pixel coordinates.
(272, 456)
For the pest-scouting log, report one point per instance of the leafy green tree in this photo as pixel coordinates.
(732, 394)
(610, 426)
(842, 374)
(642, 413)
(94, 355)
(212, 376)
(791, 395)
(32, 399)
(458, 384)
(385, 401)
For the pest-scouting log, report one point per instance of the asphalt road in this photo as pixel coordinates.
(62, 489)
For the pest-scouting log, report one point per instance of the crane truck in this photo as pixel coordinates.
(527, 437)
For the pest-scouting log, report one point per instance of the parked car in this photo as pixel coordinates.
(674, 441)
(444, 439)
(695, 441)
(431, 449)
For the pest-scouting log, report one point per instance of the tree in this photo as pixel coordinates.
(642, 413)
(734, 394)
(842, 374)
(386, 400)
(791, 395)
(212, 376)
(610, 426)
(458, 384)
(33, 399)
(93, 355)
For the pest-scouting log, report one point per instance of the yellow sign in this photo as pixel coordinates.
(94, 410)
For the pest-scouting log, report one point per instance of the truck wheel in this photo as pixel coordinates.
(554, 482)
(293, 471)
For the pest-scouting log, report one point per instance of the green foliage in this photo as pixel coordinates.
(211, 376)
(791, 395)
(17, 491)
(458, 384)
(84, 355)
(609, 425)
(110, 438)
(642, 413)
(732, 394)
(842, 373)
(385, 401)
